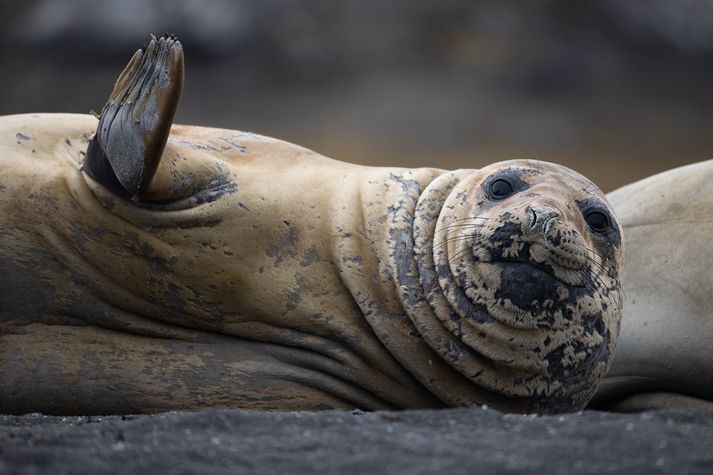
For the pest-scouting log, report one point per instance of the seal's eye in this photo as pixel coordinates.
(597, 220)
(500, 189)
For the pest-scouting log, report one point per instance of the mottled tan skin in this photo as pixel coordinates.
(665, 355)
(295, 288)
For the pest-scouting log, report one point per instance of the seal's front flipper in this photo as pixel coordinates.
(135, 122)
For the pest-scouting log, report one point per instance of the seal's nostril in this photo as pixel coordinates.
(533, 218)
(548, 224)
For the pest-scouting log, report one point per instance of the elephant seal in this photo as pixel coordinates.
(664, 358)
(154, 268)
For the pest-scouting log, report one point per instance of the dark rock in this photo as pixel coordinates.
(409, 442)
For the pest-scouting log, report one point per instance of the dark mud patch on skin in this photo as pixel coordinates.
(295, 296)
(215, 190)
(284, 248)
(309, 257)
(408, 442)
(504, 235)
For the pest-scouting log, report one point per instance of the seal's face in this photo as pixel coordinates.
(538, 238)
(530, 253)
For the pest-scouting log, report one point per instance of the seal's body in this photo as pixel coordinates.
(221, 268)
(665, 356)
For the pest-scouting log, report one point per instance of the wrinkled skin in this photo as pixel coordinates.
(664, 358)
(251, 273)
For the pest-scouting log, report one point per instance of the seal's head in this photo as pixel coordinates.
(543, 243)
(528, 256)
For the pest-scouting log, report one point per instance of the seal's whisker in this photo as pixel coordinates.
(476, 239)
(599, 291)
(599, 265)
(445, 242)
(460, 221)
(614, 281)
(478, 245)
(459, 255)
(450, 226)
(451, 240)
(600, 256)
(609, 288)
(468, 217)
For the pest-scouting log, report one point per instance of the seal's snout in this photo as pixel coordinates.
(541, 218)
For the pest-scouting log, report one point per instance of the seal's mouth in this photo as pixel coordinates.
(524, 264)
(528, 278)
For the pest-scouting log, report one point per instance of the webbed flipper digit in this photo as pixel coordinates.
(135, 122)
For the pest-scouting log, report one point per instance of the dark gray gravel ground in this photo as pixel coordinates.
(409, 442)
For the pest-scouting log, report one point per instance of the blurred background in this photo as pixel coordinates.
(615, 89)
